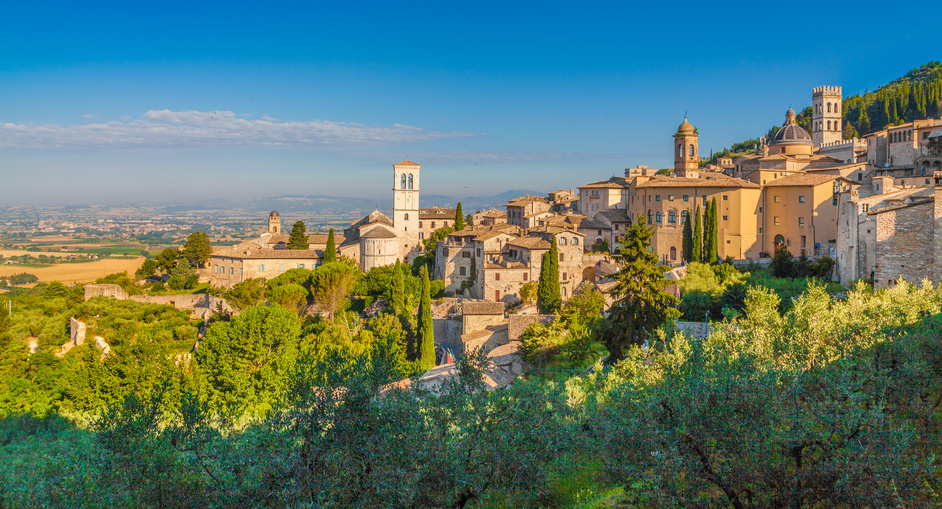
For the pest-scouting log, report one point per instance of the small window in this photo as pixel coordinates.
(562, 257)
(777, 199)
(526, 276)
(562, 241)
(801, 199)
(420, 224)
(657, 198)
(261, 268)
(497, 276)
(466, 255)
(421, 235)
(725, 218)
(672, 217)
(657, 217)
(445, 251)
(433, 225)
(479, 251)
(300, 265)
(686, 197)
(801, 222)
(565, 278)
(232, 270)
(575, 241)
(407, 217)
(670, 197)
(725, 197)
(462, 271)
(776, 221)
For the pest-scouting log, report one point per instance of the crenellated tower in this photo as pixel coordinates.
(826, 125)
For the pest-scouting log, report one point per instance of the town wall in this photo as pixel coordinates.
(105, 290)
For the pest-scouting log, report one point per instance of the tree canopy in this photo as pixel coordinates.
(297, 240)
(197, 249)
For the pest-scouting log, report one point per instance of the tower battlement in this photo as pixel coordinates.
(825, 90)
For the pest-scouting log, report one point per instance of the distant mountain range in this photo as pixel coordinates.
(320, 205)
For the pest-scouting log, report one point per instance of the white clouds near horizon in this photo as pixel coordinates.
(165, 128)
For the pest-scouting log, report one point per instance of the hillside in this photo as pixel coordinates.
(916, 95)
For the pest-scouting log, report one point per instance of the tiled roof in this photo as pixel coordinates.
(591, 224)
(662, 181)
(524, 200)
(482, 308)
(616, 215)
(379, 233)
(406, 162)
(529, 243)
(602, 184)
(803, 179)
(437, 213)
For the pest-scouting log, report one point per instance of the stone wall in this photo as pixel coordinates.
(76, 331)
(905, 237)
(105, 290)
(189, 302)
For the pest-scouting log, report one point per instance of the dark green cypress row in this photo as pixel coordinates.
(330, 251)
(425, 338)
(548, 299)
(697, 249)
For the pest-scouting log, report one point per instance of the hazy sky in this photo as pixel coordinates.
(164, 101)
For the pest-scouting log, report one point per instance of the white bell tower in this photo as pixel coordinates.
(406, 206)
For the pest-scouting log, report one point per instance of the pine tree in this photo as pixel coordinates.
(197, 249)
(548, 299)
(687, 250)
(697, 249)
(459, 218)
(425, 338)
(298, 238)
(641, 305)
(398, 290)
(330, 251)
(864, 121)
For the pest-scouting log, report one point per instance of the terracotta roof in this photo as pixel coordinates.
(494, 213)
(592, 224)
(375, 217)
(804, 179)
(406, 162)
(482, 308)
(616, 215)
(265, 253)
(602, 184)
(523, 200)
(530, 243)
(901, 206)
(662, 181)
(437, 213)
(379, 233)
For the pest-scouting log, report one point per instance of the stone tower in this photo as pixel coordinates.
(406, 207)
(686, 151)
(826, 125)
(274, 223)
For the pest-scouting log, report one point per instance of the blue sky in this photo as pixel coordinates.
(165, 102)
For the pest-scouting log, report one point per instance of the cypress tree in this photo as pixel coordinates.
(330, 252)
(398, 290)
(298, 238)
(697, 248)
(687, 250)
(425, 338)
(707, 234)
(714, 232)
(459, 218)
(548, 299)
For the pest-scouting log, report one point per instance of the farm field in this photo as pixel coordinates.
(76, 272)
(21, 252)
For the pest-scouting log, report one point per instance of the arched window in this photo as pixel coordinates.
(683, 216)
(691, 150)
(680, 150)
(649, 217)
(575, 241)
(407, 217)
(673, 254)
(657, 216)
(829, 107)
(562, 241)
(672, 217)
(410, 181)
(403, 181)
(829, 125)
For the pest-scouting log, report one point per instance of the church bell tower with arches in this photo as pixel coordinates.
(406, 207)
(686, 151)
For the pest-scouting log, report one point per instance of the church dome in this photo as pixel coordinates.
(790, 133)
(273, 215)
(685, 127)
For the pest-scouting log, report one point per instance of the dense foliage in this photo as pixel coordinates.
(297, 239)
(831, 404)
(548, 298)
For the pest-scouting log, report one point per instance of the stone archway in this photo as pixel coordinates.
(779, 241)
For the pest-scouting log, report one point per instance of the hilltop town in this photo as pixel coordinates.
(867, 203)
